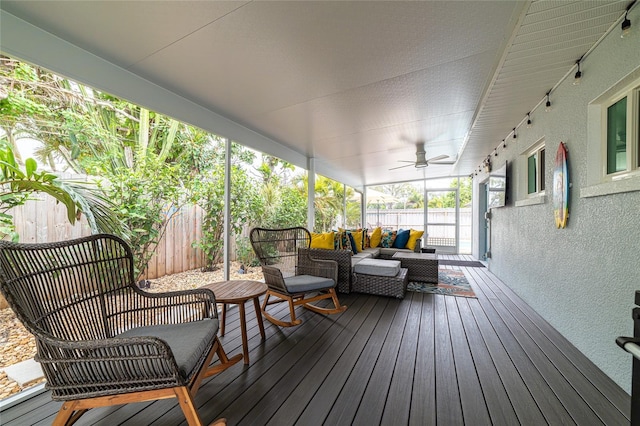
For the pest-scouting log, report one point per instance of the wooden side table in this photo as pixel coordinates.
(238, 292)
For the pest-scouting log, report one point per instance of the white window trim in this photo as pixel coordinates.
(540, 176)
(600, 183)
(631, 93)
(535, 198)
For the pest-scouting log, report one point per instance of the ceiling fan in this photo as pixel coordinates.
(421, 159)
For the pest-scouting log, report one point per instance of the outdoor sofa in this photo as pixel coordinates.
(347, 259)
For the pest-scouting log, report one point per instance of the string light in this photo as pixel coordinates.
(626, 23)
(578, 76)
(547, 106)
(626, 29)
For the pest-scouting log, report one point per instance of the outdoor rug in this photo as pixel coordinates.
(469, 263)
(451, 282)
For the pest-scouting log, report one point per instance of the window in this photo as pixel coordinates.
(535, 171)
(620, 139)
(613, 140)
(617, 136)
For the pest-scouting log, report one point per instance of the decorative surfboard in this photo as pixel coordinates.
(561, 187)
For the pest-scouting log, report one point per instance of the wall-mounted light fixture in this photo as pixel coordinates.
(529, 122)
(514, 133)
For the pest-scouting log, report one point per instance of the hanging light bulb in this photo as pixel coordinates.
(578, 76)
(529, 123)
(504, 143)
(547, 106)
(626, 27)
(626, 23)
(514, 133)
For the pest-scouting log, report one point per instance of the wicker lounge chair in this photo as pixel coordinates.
(293, 276)
(102, 341)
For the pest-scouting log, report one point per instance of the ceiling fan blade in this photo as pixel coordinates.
(442, 163)
(439, 157)
(400, 167)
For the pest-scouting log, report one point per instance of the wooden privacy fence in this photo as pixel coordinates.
(175, 252)
(44, 220)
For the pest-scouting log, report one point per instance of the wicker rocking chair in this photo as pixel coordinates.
(102, 341)
(292, 276)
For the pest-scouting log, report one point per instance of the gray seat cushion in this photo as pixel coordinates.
(358, 257)
(373, 251)
(304, 283)
(379, 267)
(187, 340)
(391, 251)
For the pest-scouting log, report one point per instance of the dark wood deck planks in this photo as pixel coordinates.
(333, 376)
(398, 404)
(474, 407)
(425, 360)
(423, 398)
(374, 398)
(566, 357)
(448, 407)
(499, 405)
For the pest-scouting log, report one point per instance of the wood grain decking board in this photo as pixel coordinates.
(425, 360)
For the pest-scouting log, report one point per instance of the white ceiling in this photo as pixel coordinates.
(352, 84)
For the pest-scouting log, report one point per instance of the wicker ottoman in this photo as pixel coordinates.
(381, 285)
(421, 266)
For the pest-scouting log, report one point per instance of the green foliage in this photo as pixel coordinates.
(17, 186)
(284, 197)
(146, 197)
(448, 199)
(328, 203)
(287, 209)
(208, 193)
(244, 252)
(94, 133)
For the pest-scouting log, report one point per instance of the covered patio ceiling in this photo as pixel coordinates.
(353, 85)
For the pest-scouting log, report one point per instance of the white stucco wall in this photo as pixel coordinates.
(581, 279)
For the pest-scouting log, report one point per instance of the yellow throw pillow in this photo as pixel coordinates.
(358, 237)
(414, 236)
(322, 241)
(376, 236)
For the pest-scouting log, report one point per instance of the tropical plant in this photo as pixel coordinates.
(448, 199)
(245, 253)
(17, 186)
(134, 150)
(208, 193)
(287, 210)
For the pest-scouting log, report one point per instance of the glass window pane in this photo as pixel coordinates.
(617, 136)
(353, 214)
(396, 206)
(541, 154)
(532, 176)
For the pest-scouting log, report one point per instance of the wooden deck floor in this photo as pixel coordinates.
(425, 360)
